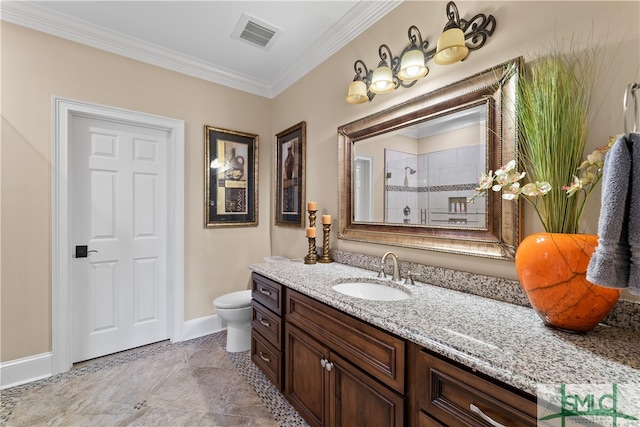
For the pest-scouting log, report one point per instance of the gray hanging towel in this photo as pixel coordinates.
(610, 263)
(634, 214)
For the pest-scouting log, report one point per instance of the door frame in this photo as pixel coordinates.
(61, 245)
(368, 159)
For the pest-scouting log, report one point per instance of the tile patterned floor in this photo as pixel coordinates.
(192, 383)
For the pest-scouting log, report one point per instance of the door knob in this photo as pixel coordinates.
(82, 251)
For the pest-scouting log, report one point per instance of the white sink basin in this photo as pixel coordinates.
(371, 291)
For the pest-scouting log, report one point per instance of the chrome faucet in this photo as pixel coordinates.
(396, 268)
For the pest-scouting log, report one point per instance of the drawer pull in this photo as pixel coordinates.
(265, 358)
(484, 416)
(265, 323)
(265, 291)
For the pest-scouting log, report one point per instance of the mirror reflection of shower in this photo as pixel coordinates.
(406, 177)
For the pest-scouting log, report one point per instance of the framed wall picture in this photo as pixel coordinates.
(231, 178)
(290, 176)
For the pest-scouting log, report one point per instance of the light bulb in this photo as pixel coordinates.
(412, 66)
(357, 92)
(413, 70)
(451, 47)
(382, 80)
(450, 52)
(381, 85)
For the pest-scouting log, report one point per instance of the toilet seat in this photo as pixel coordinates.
(239, 299)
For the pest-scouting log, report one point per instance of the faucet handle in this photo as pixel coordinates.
(380, 268)
(410, 276)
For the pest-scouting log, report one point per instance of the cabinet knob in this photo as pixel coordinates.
(323, 362)
(484, 416)
(329, 366)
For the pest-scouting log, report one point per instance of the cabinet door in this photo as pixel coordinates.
(305, 377)
(356, 399)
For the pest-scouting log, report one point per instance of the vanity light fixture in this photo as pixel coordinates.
(459, 36)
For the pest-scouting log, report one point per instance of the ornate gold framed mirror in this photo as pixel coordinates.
(406, 173)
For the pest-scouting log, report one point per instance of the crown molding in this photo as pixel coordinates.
(45, 20)
(361, 17)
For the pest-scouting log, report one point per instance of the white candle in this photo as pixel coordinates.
(326, 219)
(311, 232)
(312, 206)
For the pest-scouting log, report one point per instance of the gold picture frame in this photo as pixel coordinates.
(290, 175)
(231, 178)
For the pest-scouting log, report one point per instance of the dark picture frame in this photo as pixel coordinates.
(231, 178)
(290, 175)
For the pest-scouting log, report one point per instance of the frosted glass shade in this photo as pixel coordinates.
(357, 92)
(412, 66)
(451, 47)
(382, 80)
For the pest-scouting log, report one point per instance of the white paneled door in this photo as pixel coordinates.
(118, 210)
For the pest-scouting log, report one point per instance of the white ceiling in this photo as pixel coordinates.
(194, 37)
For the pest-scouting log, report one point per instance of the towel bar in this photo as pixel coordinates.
(629, 94)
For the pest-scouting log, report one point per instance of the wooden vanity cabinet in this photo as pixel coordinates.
(337, 370)
(267, 328)
(340, 371)
(446, 394)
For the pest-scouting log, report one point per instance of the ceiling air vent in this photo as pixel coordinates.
(255, 31)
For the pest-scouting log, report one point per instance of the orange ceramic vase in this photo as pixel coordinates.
(552, 270)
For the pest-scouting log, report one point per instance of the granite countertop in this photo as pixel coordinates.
(505, 341)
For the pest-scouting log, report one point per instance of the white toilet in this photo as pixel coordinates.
(235, 309)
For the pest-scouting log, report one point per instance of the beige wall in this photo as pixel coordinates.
(456, 138)
(523, 29)
(36, 66)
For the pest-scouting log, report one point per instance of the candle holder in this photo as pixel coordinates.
(312, 218)
(325, 258)
(312, 256)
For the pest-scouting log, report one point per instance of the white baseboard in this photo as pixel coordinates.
(201, 326)
(25, 370)
(32, 368)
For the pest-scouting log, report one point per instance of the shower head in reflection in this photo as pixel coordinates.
(411, 172)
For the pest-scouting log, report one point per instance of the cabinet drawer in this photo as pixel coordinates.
(267, 358)
(377, 352)
(448, 393)
(267, 324)
(267, 292)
